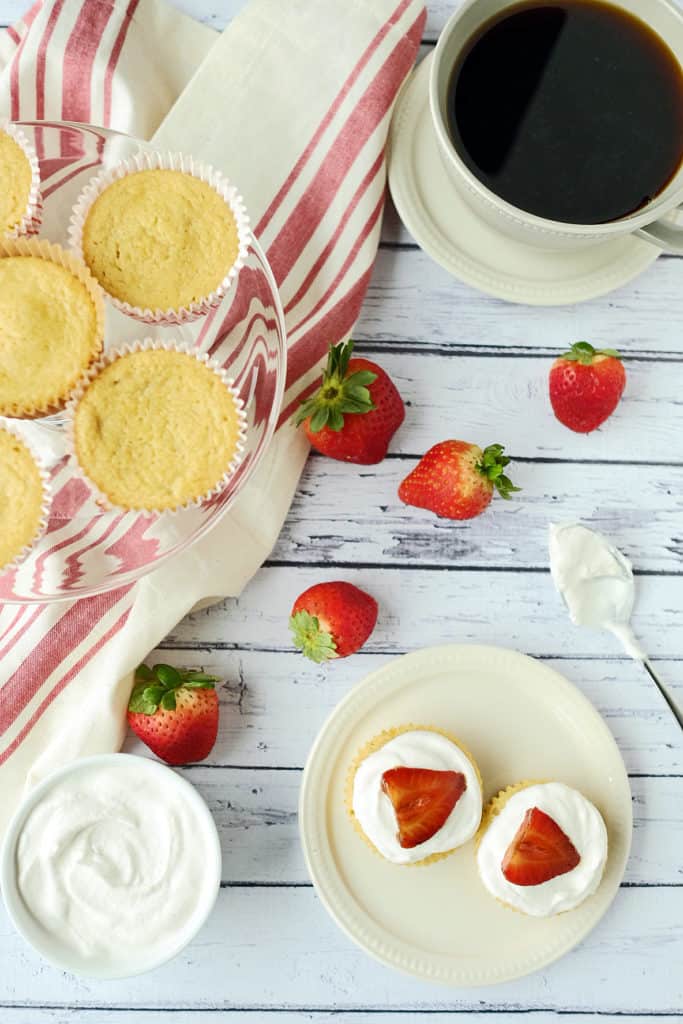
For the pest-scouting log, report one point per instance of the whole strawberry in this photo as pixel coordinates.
(174, 712)
(456, 479)
(356, 411)
(585, 386)
(332, 620)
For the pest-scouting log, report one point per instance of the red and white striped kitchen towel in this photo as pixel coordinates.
(293, 101)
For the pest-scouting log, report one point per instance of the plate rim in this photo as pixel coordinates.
(311, 828)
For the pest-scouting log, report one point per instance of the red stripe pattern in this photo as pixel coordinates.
(333, 192)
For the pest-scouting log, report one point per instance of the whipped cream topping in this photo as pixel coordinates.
(580, 821)
(595, 581)
(419, 748)
(114, 863)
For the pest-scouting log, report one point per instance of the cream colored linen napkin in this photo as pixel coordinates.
(293, 103)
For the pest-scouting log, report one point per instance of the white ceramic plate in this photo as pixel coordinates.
(521, 720)
(470, 249)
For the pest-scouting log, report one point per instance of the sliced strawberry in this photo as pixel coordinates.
(422, 800)
(540, 851)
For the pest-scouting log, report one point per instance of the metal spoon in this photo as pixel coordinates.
(595, 581)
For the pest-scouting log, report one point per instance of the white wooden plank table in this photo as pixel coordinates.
(472, 367)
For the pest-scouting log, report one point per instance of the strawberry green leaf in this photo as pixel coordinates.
(361, 379)
(340, 393)
(314, 642)
(168, 701)
(492, 464)
(157, 688)
(319, 418)
(505, 487)
(138, 703)
(167, 674)
(153, 694)
(335, 420)
(584, 353)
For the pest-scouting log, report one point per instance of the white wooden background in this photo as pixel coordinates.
(471, 367)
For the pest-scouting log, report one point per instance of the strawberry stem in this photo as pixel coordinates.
(340, 392)
(315, 643)
(492, 464)
(584, 353)
(156, 687)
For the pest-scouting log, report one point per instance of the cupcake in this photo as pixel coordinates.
(156, 428)
(51, 326)
(20, 201)
(163, 236)
(414, 794)
(541, 848)
(23, 499)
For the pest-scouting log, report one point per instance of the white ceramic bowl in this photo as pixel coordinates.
(60, 955)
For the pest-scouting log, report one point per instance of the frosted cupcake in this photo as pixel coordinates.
(51, 326)
(23, 499)
(20, 201)
(414, 794)
(163, 236)
(542, 848)
(156, 429)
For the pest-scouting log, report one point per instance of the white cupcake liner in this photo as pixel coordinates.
(33, 215)
(15, 562)
(167, 162)
(54, 253)
(146, 345)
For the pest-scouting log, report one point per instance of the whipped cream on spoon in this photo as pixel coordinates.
(595, 580)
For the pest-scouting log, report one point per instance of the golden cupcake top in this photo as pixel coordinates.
(15, 183)
(156, 429)
(21, 497)
(50, 332)
(160, 239)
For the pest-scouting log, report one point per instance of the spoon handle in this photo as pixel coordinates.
(665, 692)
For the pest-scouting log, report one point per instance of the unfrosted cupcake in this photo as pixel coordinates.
(20, 202)
(51, 326)
(163, 236)
(23, 499)
(156, 429)
(542, 848)
(414, 794)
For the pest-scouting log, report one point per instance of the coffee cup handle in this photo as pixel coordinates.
(666, 236)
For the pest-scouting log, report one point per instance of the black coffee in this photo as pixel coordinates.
(570, 109)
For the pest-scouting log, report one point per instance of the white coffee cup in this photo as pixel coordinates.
(649, 222)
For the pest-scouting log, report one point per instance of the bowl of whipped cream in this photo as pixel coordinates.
(110, 866)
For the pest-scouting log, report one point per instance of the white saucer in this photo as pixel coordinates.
(470, 249)
(521, 720)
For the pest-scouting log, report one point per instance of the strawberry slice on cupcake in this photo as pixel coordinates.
(541, 848)
(423, 799)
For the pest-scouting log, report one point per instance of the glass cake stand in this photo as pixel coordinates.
(86, 550)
